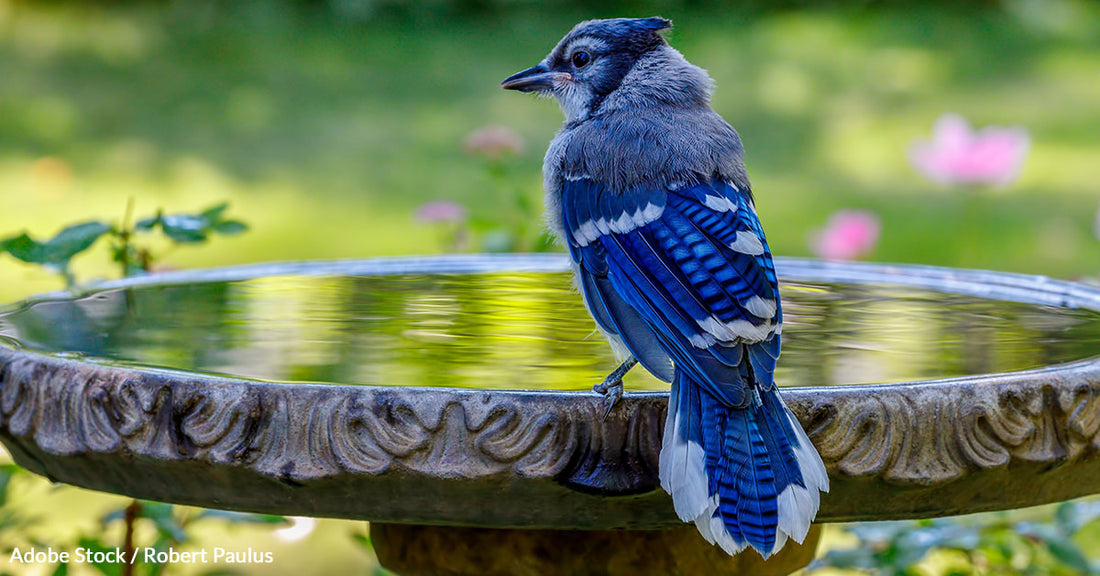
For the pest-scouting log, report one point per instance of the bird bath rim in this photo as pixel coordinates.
(387, 453)
(1010, 286)
(978, 283)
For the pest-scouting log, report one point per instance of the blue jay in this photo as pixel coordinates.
(646, 187)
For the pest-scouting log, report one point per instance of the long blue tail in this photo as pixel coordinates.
(746, 476)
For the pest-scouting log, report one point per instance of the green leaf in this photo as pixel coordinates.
(1060, 545)
(228, 227)
(113, 515)
(1071, 517)
(242, 517)
(105, 568)
(147, 224)
(155, 568)
(1065, 518)
(185, 228)
(1067, 552)
(7, 472)
(214, 213)
(164, 518)
(58, 250)
(362, 539)
(911, 549)
(23, 247)
(62, 569)
(10, 520)
(78, 237)
(847, 558)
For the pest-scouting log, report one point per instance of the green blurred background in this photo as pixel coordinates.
(327, 124)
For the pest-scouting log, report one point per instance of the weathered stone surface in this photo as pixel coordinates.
(416, 550)
(467, 457)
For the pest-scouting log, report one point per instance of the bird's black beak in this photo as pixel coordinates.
(534, 79)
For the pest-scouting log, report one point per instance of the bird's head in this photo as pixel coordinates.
(590, 62)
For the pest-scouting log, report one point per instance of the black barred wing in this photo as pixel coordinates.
(680, 273)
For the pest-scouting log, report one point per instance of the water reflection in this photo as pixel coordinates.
(525, 330)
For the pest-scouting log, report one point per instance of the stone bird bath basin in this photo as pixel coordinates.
(445, 400)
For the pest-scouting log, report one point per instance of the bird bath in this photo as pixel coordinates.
(444, 399)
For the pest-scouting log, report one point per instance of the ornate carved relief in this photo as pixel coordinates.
(921, 436)
(934, 433)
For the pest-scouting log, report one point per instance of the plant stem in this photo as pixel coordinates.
(131, 516)
(70, 278)
(125, 231)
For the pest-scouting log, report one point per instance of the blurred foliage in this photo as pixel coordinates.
(12, 521)
(56, 253)
(192, 228)
(365, 10)
(130, 525)
(515, 224)
(172, 526)
(363, 540)
(998, 543)
(330, 132)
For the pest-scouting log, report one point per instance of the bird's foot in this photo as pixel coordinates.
(612, 387)
(611, 390)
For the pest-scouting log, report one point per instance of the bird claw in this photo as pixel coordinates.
(611, 389)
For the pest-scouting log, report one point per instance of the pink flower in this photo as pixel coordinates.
(848, 235)
(957, 154)
(440, 211)
(493, 142)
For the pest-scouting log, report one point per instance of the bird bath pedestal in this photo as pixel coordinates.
(422, 405)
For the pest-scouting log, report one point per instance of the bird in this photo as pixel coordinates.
(645, 184)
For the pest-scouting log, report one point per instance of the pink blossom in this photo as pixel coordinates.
(493, 142)
(441, 211)
(848, 235)
(957, 154)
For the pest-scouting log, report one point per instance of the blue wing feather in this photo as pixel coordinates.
(710, 269)
(673, 269)
(613, 315)
(752, 271)
(672, 274)
(624, 320)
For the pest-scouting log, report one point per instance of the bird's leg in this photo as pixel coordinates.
(612, 386)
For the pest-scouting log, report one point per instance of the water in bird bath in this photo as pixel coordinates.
(523, 330)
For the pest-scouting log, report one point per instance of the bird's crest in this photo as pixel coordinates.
(620, 27)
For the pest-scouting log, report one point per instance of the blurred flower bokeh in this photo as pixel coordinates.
(848, 235)
(441, 211)
(449, 219)
(959, 155)
(513, 222)
(494, 142)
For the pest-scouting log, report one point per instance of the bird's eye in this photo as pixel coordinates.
(581, 59)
